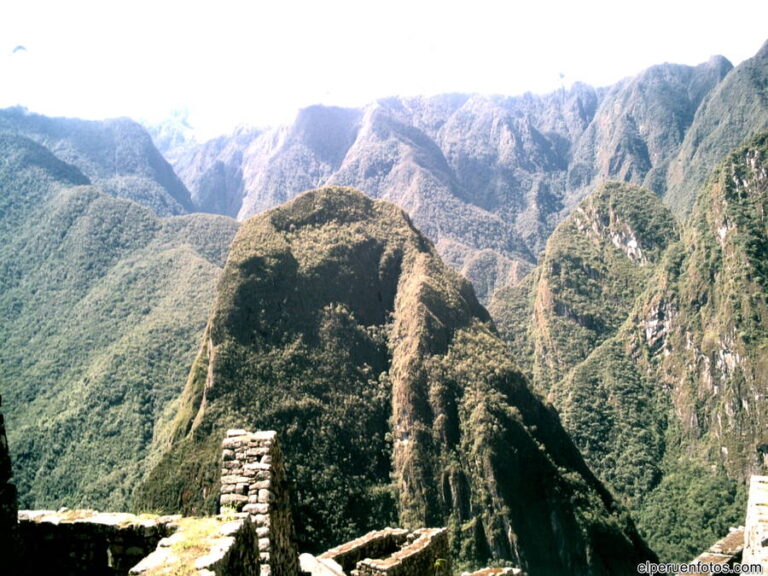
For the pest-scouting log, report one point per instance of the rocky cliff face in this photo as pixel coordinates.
(337, 325)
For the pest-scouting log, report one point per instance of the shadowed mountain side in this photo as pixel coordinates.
(101, 309)
(337, 325)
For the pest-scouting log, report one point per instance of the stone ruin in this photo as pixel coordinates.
(388, 552)
(252, 536)
(253, 481)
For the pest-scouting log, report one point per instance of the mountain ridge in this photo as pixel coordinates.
(368, 322)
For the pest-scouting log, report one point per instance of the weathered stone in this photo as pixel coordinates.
(229, 499)
(235, 480)
(236, 432)
(262, 482)
(155, 561)
(232, 442)
(227, 454)
(256, 508)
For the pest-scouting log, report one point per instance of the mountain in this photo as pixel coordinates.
(666, 406)
(486, 178)
(116, 155)
(641, 124)
(337, 325)
(596, 263)
(101, 309)
(729, 115)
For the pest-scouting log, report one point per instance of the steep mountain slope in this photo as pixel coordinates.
(117, 155)
(486, 178)
(596, 263)
(731, 114)
(682, 423)
(641, 123)
(101, 309)
(337, 325)
(215, 171)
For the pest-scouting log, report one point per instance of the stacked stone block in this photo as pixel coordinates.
(427, 552)
(394, 552)
(84, 542)
(756, 528)
(253, 481)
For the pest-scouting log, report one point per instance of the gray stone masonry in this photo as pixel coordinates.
(756, 527)
(85, 542)
(393, 552)
(253, 481)
(221, 546)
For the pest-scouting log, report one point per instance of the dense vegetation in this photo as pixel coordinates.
(116, 155)
(662, 409)
(102, 305)
(337, 325)
(596, 263)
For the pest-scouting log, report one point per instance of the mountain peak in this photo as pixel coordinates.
(337, 325)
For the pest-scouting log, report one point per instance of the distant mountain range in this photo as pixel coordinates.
(617, 235)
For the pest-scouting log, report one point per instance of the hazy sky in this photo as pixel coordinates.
(255, 62)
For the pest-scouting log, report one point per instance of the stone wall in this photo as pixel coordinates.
(394, 552)
(427, 554)
(9, 537)
(253, 481)
(220, 546)
(726, 551)
(87, 543)
(375, 544)
(756, 526)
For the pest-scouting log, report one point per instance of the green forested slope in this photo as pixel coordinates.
(668, 409)
(337, 325)
(102, 307)
(595, 264)
(117, 155)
